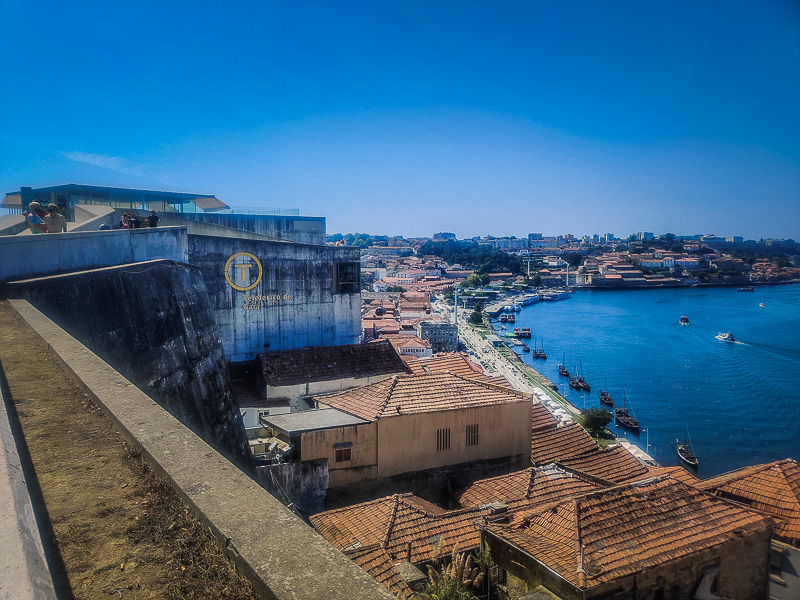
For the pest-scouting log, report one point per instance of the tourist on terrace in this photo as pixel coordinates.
(55, 221)
(136, 223)
(154, 219)
(34, 218)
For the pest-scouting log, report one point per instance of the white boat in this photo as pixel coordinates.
(725, 337)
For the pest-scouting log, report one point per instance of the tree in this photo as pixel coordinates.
(454, 581)
(595, 420)
(395, 288)
(574, 259)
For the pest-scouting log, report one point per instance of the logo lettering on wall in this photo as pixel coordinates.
(243, 271)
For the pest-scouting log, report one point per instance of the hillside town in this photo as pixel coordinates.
(367, 393)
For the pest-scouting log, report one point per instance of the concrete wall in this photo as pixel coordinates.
(364, 453)
(284, 558)
(305, 230)
(408, 442)
(151, 322)
(12, 224)
(24, 256)
(292, 306)
(302, 483)
(786, 586)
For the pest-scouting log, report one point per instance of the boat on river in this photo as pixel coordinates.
(624, 416)
(539, 352)
(725, 337)
(511, 318)
(684, 320)
(562, 370)
(605, 397)
(747, 288)
(685, 450)
(582, 381)
(526, 348)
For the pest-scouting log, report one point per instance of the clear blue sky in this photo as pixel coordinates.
(409, 118)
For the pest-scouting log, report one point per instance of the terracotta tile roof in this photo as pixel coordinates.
(772, 487)
(375, 561)
(454, 362)
(541, 418)
(407, 394)
(535, 485)
(323, 363)
(612, 464)
(560, 443)
(394, 522)
(625, 529)
(678, 473)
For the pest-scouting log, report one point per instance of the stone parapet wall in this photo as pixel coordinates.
(282, 556)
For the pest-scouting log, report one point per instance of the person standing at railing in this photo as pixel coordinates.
(154, 219)
(55, 221)
(34, 218)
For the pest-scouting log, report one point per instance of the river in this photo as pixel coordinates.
(740, 401)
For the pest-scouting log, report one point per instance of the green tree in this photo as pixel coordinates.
(595, 420)
(395, 288)
(455, 581)
(574, 259)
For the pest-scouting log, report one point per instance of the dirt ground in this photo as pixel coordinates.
(120, 531)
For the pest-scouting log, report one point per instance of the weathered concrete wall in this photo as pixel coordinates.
(305, 230)
(24, 573)
(364, 452)
(408, 442)
(12, 224)
(302, 483)
(293, 305)
(24, 256)
(284, 558)
(151, 322)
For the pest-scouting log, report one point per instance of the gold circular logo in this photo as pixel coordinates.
(239, 268)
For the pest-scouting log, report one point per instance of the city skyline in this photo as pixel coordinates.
(407, 120)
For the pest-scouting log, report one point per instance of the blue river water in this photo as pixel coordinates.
(740, 401)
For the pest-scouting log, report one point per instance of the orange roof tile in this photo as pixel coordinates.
(678, 473)
(560, 443)
(375, 561)
(395, 522)
(541, 418)
(625, 529)
(535, 485)
(455, 362)
(407, 394)
(612, 464)
(771, 487)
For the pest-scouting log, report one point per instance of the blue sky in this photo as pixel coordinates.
(410, 118)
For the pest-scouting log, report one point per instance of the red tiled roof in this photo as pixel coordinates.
(535, 485)
(375, 561)
(456, 363)
(612, 464)
(625, 529)
(541, 418)
(408, 394)
(394, 522)
(771, 487)
(560, 443)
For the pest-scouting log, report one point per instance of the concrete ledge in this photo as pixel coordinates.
(282, 556)
(24, 574)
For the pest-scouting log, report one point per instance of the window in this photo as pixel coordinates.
(472, 435)
(443, 439)
(343, 452)
(775, 563)
(347, 277)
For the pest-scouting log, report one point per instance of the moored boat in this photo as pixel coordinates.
(562, 370)
(526, 348)
(624, 416)
(605, 397)
(685, 450)
(511, 318)
(747, 288)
